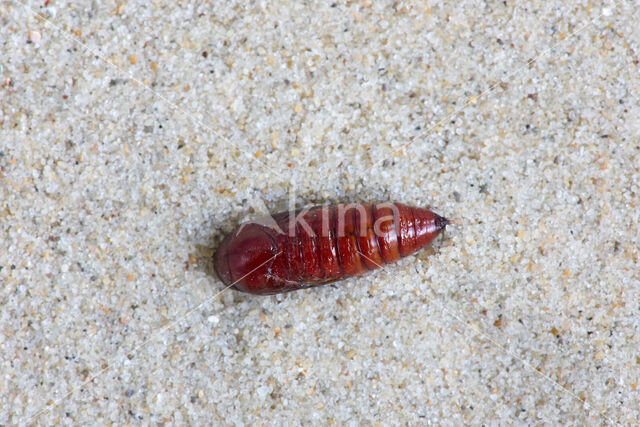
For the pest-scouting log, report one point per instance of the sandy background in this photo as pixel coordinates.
(133, 135)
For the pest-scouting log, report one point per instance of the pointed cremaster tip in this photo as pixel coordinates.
(441, 222)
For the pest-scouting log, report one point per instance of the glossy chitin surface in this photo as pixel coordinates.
(321, 245)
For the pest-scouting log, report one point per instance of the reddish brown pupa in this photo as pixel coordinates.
(320, 245)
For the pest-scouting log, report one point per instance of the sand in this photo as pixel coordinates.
(134, 135)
